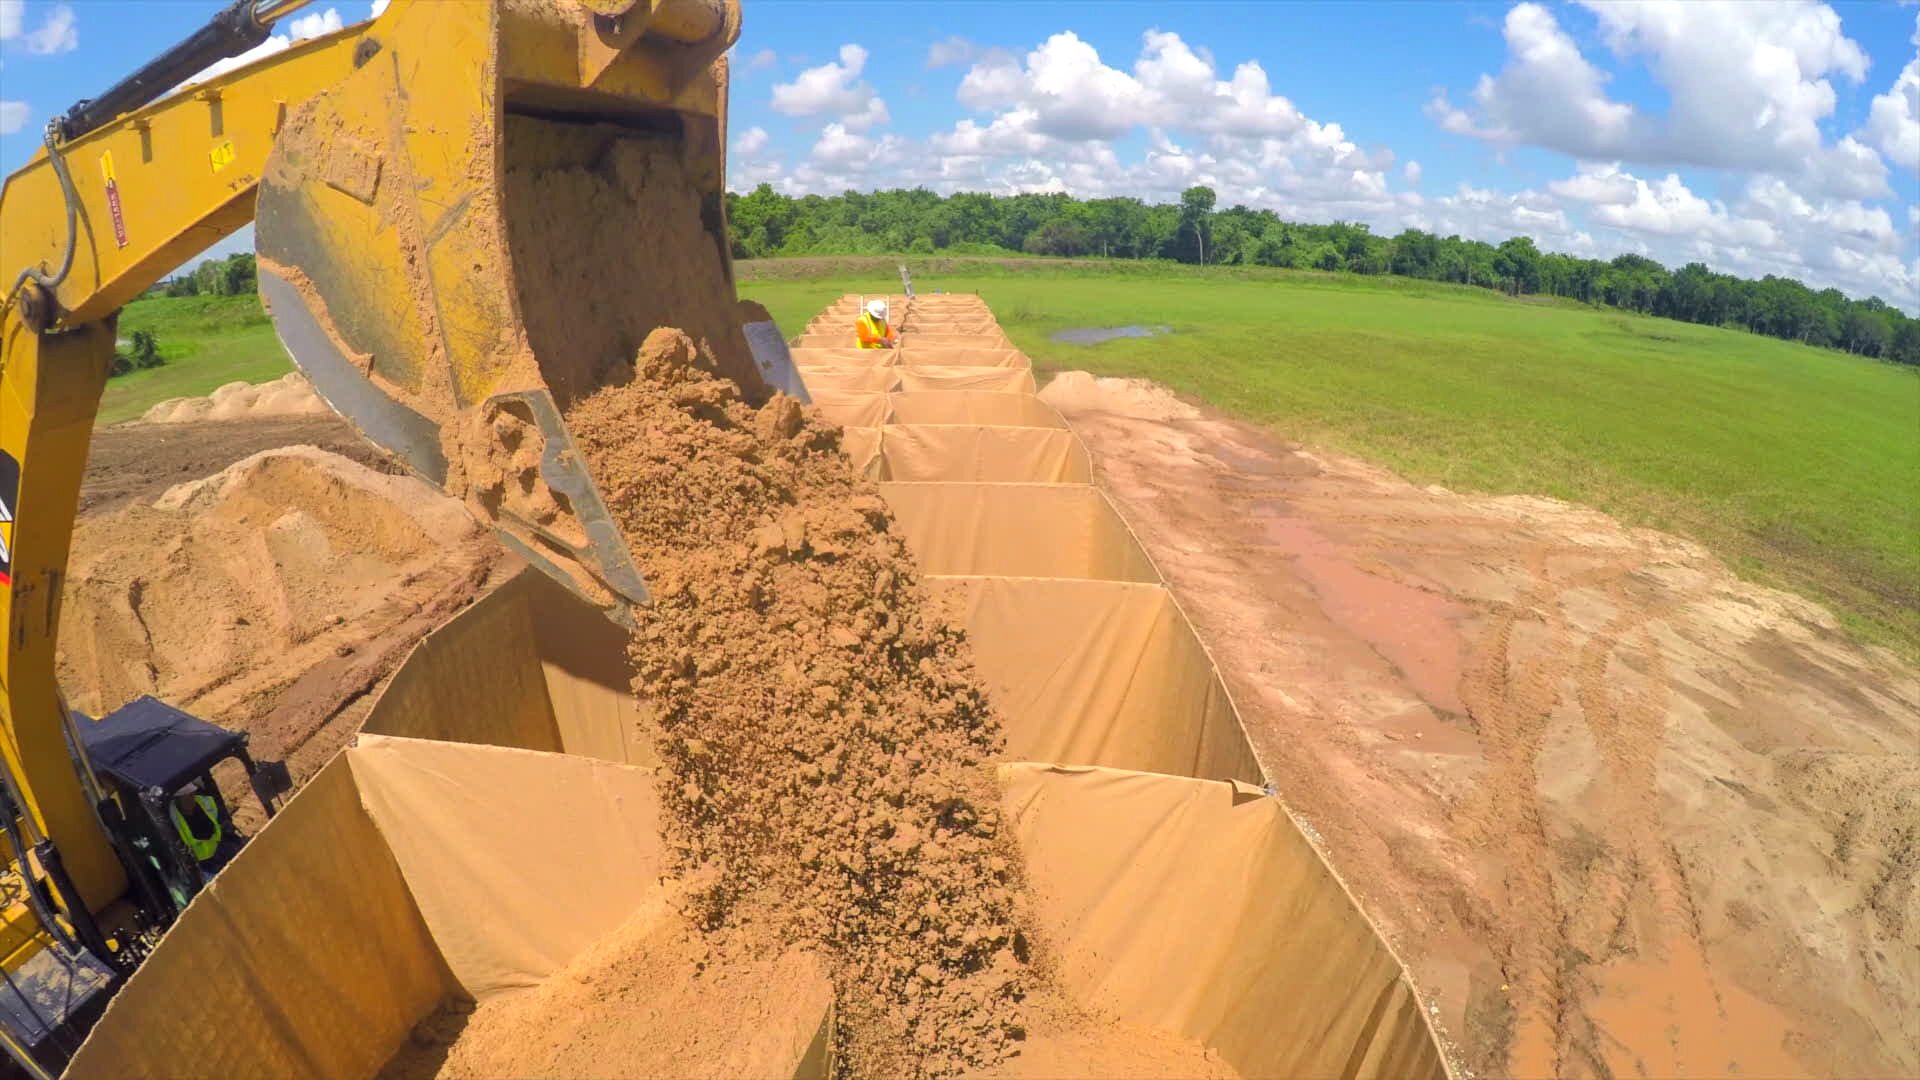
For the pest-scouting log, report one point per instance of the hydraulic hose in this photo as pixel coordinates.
(52, 281)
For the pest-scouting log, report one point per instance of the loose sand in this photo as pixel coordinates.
(1623, 813)
(823, 728)
(651, 999)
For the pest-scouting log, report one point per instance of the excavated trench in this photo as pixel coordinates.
(938, 757)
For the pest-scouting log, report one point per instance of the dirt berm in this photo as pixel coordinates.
(269, 596)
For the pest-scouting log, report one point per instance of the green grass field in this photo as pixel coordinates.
(1799, 466)
(208, 341)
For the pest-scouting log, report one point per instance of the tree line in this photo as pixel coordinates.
(765, 223)
(232, 276)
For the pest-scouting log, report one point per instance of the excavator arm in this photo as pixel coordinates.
(92, 222)
(374, 159)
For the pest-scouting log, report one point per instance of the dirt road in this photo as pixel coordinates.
(1622, 813)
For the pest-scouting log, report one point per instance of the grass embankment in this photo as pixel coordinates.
(1796, 465)
(208, 341)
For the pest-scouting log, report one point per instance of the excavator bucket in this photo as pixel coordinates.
(478, 227)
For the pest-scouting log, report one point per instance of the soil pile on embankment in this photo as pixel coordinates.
(266, 597)
(823, 728)
(289, 395)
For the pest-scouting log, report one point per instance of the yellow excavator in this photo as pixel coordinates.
(406, 244)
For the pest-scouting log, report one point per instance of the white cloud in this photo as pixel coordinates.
(1893, 125)
(1056, 117)
(56, 33)
(761, 61)
(1749, 85)
(1073, 94)
(836, 90)
(13, 14)
(950, 52)
(751, 141)
(379, 8)
(300, 29)
(315, 24)
(13, 116)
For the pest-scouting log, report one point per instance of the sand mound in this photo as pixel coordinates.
(263, 595)
(1081, 392)
(289, 395)
(650, 999)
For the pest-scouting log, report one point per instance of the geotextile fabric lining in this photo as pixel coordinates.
(808, 357)
(410, 871)
(1101, 673)
(855, 377)
(1016, 530)
(405, 873)
(967, 452)
(870, 408)
(531, 665)
(1198, 907)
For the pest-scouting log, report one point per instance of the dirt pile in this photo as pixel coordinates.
(266, 597)
(610, 238)
(1078, 391)
(1623, 813)
(650, 999)
(289, 395)
(823, 728)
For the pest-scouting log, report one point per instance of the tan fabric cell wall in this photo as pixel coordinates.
(476, 679)
(933, 339)
(812, 356)
(1017, 530)
(854, 380)
(981, 454)
(589, 678)
(529, 665)
(973, 407)
(851, 408)
(851, 378)
(1198, 907)
(809, 357)
(1002, 380)
(306, 957)
(917, 354)
(1101, 673)
(517, 860)
(862, 447)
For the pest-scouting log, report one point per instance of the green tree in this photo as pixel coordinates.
(1196, 206)
(145, 351)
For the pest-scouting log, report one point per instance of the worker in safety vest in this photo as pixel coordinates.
(197, 818)
(871, 327)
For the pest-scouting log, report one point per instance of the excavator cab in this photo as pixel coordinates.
(158, 764)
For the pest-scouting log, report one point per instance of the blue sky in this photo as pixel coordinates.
(1759, 137)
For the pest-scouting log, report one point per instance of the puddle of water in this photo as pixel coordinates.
(1094, 335)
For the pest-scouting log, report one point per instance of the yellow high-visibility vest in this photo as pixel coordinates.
(201, 848)
(870, 332)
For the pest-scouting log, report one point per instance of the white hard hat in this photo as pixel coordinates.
(877, 308)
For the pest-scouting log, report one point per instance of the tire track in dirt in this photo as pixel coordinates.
(1509, 706)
